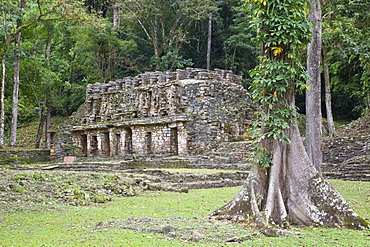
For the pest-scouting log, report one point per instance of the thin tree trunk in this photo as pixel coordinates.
(48, 48)
(47, 126)
(209, 41)
(2, 92)
(116, 24)
(329, 113)
(313, 96)
(13, 126)
(45, 117)
(155, 41)
(2, 102)
(40, 129)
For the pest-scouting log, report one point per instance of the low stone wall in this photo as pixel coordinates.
(24, 156)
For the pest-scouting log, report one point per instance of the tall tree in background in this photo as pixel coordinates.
(209, 41)
(329, 112)
(3, 74)
(313, 96)
(13, 126)
(116, 25)
(283, 186)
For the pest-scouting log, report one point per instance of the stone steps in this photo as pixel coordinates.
(180, 177)
(356, 168)
(178, 181)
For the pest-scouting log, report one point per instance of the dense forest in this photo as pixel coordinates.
(51, 49)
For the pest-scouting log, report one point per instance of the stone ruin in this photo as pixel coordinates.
(187, 112)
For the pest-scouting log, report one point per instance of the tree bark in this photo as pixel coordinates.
(14, 122)
(13, 125)
(47, 126)
(2, 92)
(48, 48)
(313, 96)
(209, 41)
(2, 102)
(40, 128)
(329, 113)
(116, 24)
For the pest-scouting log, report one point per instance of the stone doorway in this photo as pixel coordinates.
(117, 146)
(128, 141)
(148, 141)
(94, 145)
(174, 141)
(84, 145)
(106, 143)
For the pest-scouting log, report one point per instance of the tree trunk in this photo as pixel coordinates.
(291, 191)
(14, 122)
(313, 96)
(329, 113)
(3, 78)
(2, 102)
(40, 129)
(116, 24)
(48, 48)
(209, 41)
(13, 126)
(47, 126)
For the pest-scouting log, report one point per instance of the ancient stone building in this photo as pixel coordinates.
(186, 112)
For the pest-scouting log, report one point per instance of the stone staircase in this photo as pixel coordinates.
(347, 158)
(356, 168)
(339, 150)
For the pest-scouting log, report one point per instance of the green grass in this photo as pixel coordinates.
(77, 226)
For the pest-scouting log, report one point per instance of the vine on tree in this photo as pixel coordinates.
(283, 30)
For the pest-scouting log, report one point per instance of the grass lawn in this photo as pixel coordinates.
(122, 222)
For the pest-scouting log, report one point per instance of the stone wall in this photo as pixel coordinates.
(177, 113)
(9, 156)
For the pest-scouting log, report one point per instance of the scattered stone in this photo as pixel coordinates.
(166, 229)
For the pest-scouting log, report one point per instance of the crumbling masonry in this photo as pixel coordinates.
(187, 112)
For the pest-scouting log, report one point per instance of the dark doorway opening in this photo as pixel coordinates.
(94, 145)
(106, 144)
(148, 138)
(128, 141)
(174, 141)
(117, 147)
(84, 145)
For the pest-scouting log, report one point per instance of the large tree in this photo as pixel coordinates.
(284, 186)
(13, 126)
